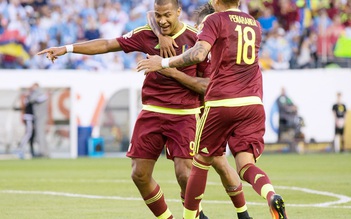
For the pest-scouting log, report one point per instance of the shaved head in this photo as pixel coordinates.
(175, 3)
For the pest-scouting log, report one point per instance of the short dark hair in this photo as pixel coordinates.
(163, 2)
(202, 12)
(231, 2)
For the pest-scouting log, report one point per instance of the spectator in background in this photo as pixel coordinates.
(306, 57)
(339, 111)
(346, 12)
(70, 30)
(265, 60)
(288, 13)
(114, 62)
(304, 54)
(28, 120)
(280, 63)
(293, 36)
(63, 22)
(119, 14)
(334, 8)
(287, 113)
(2, 23)
(267, 20)
(321, 25)
(348, 30)
(112, 21)
(40, 111)
(279, 49)
(137, 17)
(335, 30)
(48, 24)
(14, 9)
(91, 29)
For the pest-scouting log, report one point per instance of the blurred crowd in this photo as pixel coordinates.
(296, 33)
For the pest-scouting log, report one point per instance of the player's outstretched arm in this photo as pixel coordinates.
(166, 43)
(197, 84)
(194, 55)
(91, 47)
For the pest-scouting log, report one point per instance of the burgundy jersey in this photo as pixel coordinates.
(159, 90)
(235, 38)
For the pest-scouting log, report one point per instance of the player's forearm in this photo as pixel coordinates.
(93, 47)
(153, 24)
(197, 84)
(194, 55)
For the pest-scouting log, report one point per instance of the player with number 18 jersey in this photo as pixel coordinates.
(235, 88)
(234, 59)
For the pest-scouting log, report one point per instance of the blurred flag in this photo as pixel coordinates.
(11, 43)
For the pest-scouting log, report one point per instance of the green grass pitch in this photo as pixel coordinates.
(313, 186)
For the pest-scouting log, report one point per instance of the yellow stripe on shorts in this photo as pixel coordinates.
(165, 110)
(199, 128)
(232, 102)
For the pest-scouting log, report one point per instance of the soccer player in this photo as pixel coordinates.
(169, 109)
(234, 112)
(229, 178)
(339, 111)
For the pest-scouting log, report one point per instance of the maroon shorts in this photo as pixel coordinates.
(155, 131)
(241, 127)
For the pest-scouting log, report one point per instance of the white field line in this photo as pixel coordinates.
(342, 199)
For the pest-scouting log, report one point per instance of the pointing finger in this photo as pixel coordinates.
(42, 52)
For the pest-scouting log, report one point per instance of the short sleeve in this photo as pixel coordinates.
(209, 29)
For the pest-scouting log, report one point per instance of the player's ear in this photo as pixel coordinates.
(179, 10)
(214, 2)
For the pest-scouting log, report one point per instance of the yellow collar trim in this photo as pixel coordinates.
(233, 9)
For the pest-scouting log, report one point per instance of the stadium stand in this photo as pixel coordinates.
(297, 33)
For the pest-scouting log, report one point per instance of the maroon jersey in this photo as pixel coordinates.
(235, 38)
(159, 90)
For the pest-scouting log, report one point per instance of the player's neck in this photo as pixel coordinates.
(178, 28)
(232, 9)
(220, 7)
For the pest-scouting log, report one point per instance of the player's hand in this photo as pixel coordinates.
(53, 52)
(167, 45)
(152, 63)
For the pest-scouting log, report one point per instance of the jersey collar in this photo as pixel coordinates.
(175, 35)
(233, 9)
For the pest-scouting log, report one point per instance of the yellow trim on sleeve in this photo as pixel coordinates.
(138, 29)
(232, 102)
(160, 109)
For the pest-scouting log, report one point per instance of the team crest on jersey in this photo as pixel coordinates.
(185, 48)
(200, 28)
(128, 35)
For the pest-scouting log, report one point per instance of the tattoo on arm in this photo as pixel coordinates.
(193, 56)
